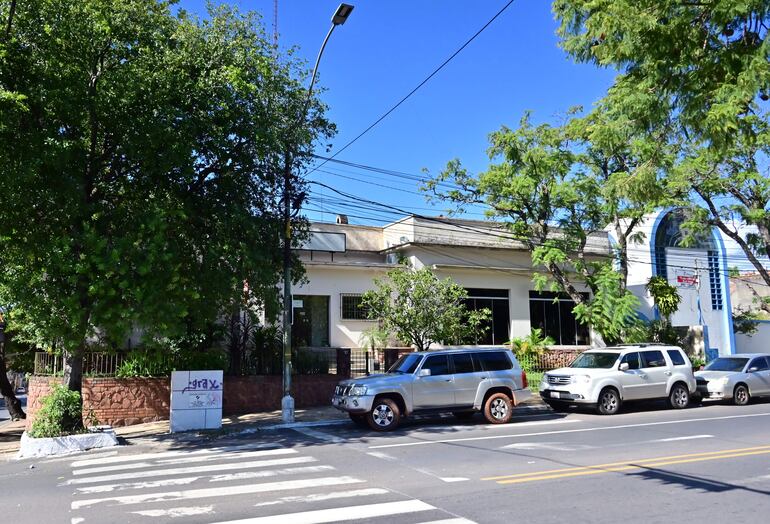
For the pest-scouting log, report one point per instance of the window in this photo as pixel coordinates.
(595, 361)
(760, 363)
(715, 281)
(498, 324)
(727, 364)
(632, 359)
(676, 357)
(493, 360)
(310, 327)
(437, 364)
(352, 308)
(653, 359)
(463, 363)
(552, 313)
(406, 364)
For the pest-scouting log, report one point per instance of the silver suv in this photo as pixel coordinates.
(463, 380)
(606, 377)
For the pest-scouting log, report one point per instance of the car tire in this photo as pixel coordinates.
(609, 402)
(463, 415)
(741, 395)
(358, 420)
(384, 416)
(498, 408)
(679, 397)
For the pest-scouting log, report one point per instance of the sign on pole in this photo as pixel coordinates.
(196, 400)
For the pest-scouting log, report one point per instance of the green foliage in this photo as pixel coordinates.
(60, 414)
(745, 322)
(422, 309)
(612, 309)
(534, 344)
(139, 148)
(655, 331)
(160, 362)
(375, 337)
(664, 295)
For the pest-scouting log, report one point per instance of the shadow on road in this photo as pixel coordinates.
(690, 481)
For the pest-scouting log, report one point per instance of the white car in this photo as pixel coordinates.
(737, 377)
(607, 377)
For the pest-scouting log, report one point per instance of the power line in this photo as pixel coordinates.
(413, 91)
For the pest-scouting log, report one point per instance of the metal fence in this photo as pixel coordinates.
(94, 364)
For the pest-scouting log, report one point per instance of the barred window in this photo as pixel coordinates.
(352, 307)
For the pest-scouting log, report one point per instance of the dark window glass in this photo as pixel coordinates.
(493, 360)
(676, 357)
(591, 360)
(760, 363)
(437, 364)
(486, 293)
(405, 364)
(653, 359)
(497, 326)
(352, 308)
(463, 363)
(727, 364)
(632, 359)
(310, 326)
(556, 319)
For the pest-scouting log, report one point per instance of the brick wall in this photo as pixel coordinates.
(123, 402)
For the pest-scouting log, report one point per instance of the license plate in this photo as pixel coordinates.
(554, 394)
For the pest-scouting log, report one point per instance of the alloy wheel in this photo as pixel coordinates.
(499, 409)
(382, 415)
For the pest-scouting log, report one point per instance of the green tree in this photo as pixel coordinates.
(664, 295)
(700, 72)
(555, 189)
(422, 309)
(141, 154)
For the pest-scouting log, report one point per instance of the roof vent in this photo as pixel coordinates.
(342, 219)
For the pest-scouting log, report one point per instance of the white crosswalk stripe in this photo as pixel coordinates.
(248, 483)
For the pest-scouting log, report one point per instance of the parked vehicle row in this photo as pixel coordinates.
(467, 380)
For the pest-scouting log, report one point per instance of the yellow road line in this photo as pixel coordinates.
(601, 468)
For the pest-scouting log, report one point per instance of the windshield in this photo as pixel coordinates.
(727, 364)
(595, 360)
(405, 364)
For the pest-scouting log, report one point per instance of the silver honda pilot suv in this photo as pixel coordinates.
(463, 380)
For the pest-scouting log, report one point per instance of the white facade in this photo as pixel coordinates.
(477, 255)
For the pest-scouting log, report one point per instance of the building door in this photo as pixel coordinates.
(497, 302)
(311, 321)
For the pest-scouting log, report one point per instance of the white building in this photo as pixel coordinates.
(342, 261)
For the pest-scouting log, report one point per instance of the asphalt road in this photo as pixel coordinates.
(4, 416)
(648, 464)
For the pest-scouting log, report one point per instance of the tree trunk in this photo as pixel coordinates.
(6, 390)
(73, 370)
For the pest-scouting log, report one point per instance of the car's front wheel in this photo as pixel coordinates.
(498, 408)
(679, 397)
(609, 402)
(741, 395)
(384, 416)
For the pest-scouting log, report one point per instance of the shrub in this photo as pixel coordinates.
(61, 413)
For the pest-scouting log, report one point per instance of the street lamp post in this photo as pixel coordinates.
(287, 402)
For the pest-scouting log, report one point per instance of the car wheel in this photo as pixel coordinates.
(498, 408)
(358, 420)
(741, 395)
(609, 402)
(679, 397)
(384, 415)
(463, 415)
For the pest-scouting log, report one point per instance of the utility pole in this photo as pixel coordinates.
(287, 402)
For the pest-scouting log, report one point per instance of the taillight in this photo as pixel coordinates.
(524, 384)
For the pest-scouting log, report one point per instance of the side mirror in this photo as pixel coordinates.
(423, 373)
(752, 369)
(623, 366)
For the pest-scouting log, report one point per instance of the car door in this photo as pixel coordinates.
(759, 380)
(467, 376)
(656, 372)
(435, 390)
(632, 380)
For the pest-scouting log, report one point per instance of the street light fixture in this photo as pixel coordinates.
(287, 402)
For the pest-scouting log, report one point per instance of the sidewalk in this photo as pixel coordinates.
(10, 432)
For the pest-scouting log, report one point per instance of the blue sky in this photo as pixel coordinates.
(386, 48)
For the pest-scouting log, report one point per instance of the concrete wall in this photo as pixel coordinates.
(759, 342)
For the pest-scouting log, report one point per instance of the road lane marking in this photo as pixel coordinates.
(192, 469)
(227, 491)
(450, 521)
(563, 431)
(628, 465)
(676, 439)
(322, 516)
(320, 497)
(176, 512)
(139, 465)
(530, 423)
(454, 479)
(102, 459)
